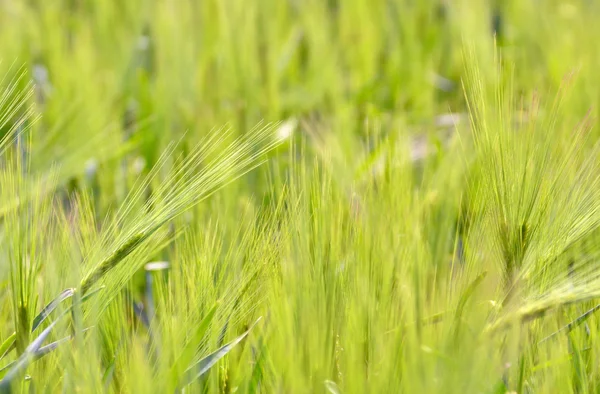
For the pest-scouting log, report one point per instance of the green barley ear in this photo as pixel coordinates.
(30, 226)
(24, 205)
(211, 165)
(16, 107)
(537, 196)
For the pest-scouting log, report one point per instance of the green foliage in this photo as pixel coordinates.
(406, 194)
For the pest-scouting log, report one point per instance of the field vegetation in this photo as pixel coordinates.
(299, 196)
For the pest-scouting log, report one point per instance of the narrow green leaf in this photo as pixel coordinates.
(26, 358)
(44, 350)
(578, 368)
(575, 323)
(107, 378)
(48, 309)
(52, 346)
(192, 346)
(332, 387)
(464, 298)
(7, 345)
(201, 367)
(469, 291)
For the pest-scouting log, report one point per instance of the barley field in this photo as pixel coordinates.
(299, 196)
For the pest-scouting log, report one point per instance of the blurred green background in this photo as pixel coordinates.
(150, 71)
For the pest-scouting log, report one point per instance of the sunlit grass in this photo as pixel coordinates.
(299, 196)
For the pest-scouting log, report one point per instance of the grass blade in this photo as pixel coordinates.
(44, 350)
(8, 345)
(575, 323)
(48, 309)
(201, 367)
(332, 387)
(192, 346)
(26, 358)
